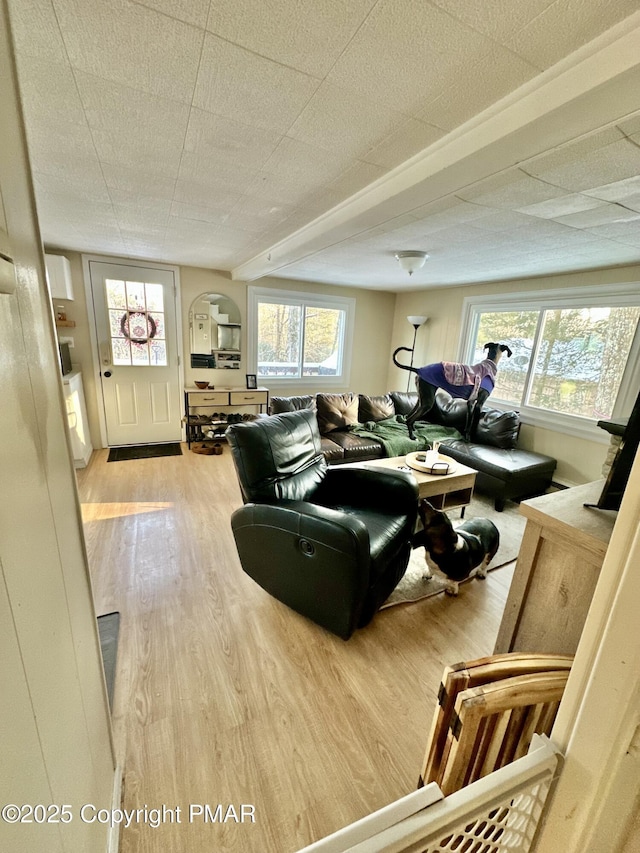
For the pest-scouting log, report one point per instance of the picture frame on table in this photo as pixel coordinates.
(252, 381)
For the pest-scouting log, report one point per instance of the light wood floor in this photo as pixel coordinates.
(223, 695)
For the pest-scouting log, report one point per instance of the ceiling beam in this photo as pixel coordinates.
(594, 87)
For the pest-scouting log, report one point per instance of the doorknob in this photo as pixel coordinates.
(107, 374)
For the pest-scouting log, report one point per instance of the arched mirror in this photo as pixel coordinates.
(214, 329)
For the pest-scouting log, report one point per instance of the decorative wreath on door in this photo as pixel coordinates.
(138, 326)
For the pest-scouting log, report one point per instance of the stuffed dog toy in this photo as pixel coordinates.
(472, 382)
(456, 552)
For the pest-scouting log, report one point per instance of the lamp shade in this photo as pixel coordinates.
(411, 261)
(416, 320)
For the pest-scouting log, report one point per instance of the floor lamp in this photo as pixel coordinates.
(416, 322)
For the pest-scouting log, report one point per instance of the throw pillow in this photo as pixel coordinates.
(278, 405)
(336, 411)
(403, 401)
(498, 429)
(375, 408)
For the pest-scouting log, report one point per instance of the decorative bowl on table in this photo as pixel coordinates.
(431, 462)
(201, 385)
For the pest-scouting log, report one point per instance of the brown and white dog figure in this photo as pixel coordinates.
(456, 552)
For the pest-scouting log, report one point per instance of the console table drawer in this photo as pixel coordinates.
(208, 398)
(249, 398)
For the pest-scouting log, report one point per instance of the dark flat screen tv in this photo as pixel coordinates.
(616, 482)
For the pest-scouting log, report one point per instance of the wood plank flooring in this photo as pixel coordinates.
(223, 695)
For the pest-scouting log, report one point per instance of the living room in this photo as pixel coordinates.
(224, 695)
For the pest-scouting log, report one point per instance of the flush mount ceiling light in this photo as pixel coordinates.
(411, 261)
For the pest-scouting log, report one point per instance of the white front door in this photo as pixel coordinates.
(135, 320)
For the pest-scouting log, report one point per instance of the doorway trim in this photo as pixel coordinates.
(95, 354)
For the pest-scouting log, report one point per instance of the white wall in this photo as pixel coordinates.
(579, 460)
(55, 739)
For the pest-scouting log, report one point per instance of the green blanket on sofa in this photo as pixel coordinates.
(393, 434)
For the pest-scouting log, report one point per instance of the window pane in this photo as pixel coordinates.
(135, 296)
(121, 351)
(279, 328)
(517, 330)
(582, 356)
(322, 338)
(116, 297)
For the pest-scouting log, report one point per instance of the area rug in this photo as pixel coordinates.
(144, 451)
(109, 628)
(414, 586)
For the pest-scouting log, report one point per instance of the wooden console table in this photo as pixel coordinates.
(196, 398)
(558, 566)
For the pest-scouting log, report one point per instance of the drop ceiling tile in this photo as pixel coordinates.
(600, 215)
(70, 152)
(141, 204)
(280, 189)
(502, 220)
(191, 230)
(36, 32)
(449, 211)
(220, 198)
(617, 191)
(138, 47)
(476, 87)
(498, 19)
(131, 127)
(149, 180)
(339, 120)
(86, 188)
(407, 52)
(223, 138)
(409, 138)
(311, 165)
(308, 35)
(622, 232)
(512, 190)
(190, 11)
(561, 206)
(615, 162)
(200, 168)
(355, 178)
(262, 211)
(49, 94)
(238, 84)
(564, 27)
(201, 213)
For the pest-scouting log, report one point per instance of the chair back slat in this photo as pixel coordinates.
(497, 722)
(465, 675)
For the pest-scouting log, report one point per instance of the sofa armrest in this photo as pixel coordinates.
(381, 489)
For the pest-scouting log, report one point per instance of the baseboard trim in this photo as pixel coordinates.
(113, 838)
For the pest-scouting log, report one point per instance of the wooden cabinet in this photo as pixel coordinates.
(558, 566)
(208, 424)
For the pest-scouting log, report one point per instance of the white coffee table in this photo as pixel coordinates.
(443, 491)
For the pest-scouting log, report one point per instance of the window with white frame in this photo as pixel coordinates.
(299, 336)
(575, 355)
